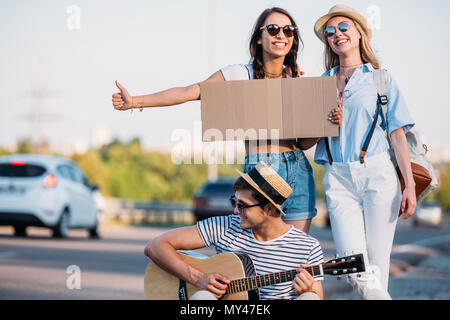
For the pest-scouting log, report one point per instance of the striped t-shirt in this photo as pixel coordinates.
(284, 253)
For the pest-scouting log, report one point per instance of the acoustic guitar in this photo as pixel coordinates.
(239, 268)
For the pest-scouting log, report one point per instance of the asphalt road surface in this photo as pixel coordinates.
(113, 267)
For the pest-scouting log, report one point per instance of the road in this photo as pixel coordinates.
(39, 267)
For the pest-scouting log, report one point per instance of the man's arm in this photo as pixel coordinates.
(163, 251)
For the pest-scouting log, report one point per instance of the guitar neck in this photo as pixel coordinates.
(251, 283)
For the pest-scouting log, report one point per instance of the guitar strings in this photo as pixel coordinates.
(250, 283)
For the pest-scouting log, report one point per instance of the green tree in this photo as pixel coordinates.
(25, 146)
(318, 173)
(443, 193)
(92, 165)
(4, 151)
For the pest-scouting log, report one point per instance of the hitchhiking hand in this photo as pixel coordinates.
(122, 100)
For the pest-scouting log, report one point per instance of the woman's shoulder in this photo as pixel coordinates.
(237, 72)
(331, 72)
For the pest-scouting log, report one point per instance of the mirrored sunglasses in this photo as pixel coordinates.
(331, 31)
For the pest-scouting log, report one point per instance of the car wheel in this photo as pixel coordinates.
(94, 232)
(20, 231)
(61, 230)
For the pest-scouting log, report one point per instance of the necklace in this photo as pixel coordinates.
(352, 66)
(347, 78)
(272, 75)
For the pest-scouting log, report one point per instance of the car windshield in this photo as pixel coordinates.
(21, 171)
(219, 188)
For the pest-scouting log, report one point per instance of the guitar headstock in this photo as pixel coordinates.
(344, 265)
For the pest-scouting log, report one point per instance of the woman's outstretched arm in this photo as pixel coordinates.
(123, 100)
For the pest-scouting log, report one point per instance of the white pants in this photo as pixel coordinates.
(206, 295)
(363, 202)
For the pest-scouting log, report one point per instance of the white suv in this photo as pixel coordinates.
(46, 191)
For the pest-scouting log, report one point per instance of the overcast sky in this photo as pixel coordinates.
(59, 60)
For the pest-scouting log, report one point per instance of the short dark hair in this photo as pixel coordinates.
(241, 184)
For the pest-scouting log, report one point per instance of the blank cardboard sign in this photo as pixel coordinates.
(268, 109)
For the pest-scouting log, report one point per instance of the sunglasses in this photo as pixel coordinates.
(241, 207)
(274, 29)
(331, 31)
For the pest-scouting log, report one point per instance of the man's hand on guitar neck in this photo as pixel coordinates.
(213, 282)
(303, 281)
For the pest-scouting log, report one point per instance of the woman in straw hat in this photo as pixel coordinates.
(362, 188)
(274, 45)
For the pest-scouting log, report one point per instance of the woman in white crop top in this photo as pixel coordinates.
(273, 47)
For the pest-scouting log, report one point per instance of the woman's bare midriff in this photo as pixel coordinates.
(280, 146)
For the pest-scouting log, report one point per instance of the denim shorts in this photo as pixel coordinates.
(294, 167)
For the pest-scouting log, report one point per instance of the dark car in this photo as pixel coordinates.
(213, 199)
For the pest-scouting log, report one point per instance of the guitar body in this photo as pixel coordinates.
(161, 285)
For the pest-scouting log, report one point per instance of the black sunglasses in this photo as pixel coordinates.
(241, 207)
(331, 31)
(274, 29)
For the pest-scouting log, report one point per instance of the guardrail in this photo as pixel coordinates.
(166, 212)
(135, 211)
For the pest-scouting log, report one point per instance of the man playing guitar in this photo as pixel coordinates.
(256, 229)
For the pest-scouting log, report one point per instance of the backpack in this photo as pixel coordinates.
(422, 168)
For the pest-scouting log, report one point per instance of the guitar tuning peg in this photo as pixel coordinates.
(354, 270)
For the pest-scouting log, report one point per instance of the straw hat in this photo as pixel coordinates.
(341, 10)
(269, 183)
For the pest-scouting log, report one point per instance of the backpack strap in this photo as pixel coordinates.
(327, 146)
(380, 80)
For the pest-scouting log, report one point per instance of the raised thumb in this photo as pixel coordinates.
(119, 86)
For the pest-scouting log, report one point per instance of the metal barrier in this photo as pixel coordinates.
(141, 212)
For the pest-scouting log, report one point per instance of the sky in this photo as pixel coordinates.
(59, 61)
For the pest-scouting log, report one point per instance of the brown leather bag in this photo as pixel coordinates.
(421, 177)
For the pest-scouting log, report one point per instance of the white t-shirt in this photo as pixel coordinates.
(284, 253)
(238, 72)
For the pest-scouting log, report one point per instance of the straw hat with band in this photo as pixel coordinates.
(268, 182)
(345, 11)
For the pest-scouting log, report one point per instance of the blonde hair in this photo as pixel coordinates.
(365, 50)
